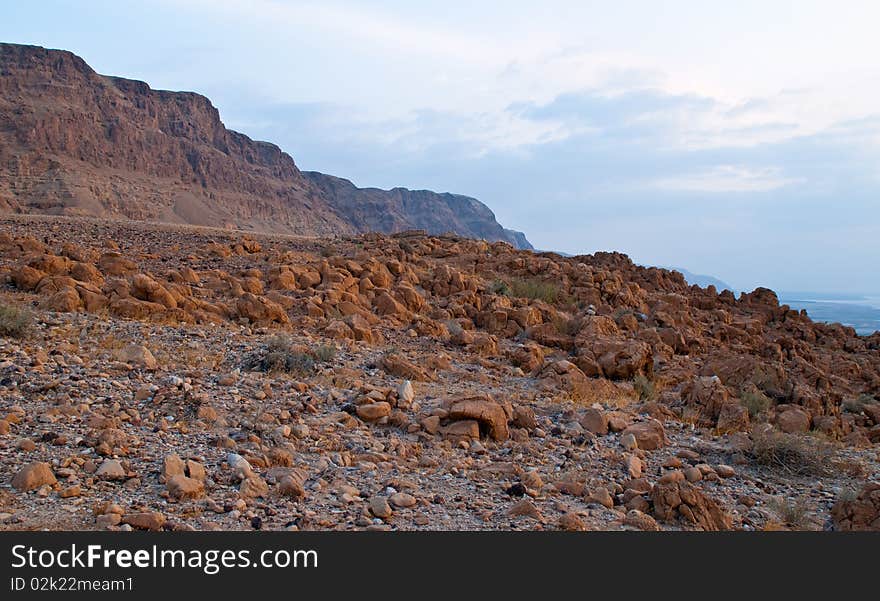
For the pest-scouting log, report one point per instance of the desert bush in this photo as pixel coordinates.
(325, 353)
(799, 454)
(15, 322)
(756, 402)
(569, 326)
(500, 288)
(535, 289)
(792, 512)
(645, 388)
(278, 355)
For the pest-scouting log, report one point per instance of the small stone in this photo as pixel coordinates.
(571, 522)
(532, 481)
(107, 520)
(793, 420)
(693, 474)
(111, 469)
(180, 487)
(725, 471)
(628, 442)
(649, 435)
(300, 431)
(240, 467)
(687, 454)
(595, 421)
(374, 411)
(642, 521)
(672, 462)
(71, 491)
(196, 470)
(137, 355)
(673, 476)
(27, 445)
(379, 507)
(601, 496)
(746, 500)
(633, 466)
(33, 475)
(147, 520)
(291, 486)
(431, 424)
(405, 393)
(172, 466)
(253, 486)
(402, 500)
(525, 508)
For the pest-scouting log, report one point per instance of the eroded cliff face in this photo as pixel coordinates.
(74, 142)
(400, 209)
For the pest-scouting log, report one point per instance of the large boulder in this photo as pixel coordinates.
(615, 359)
(145, 288)
(676, 499)
(859, 513)
(649, 435)
(491, 416)
(793, 420)
(259, 309)
(397, 365)
(706, 395)
(564, 375)
(33, 475)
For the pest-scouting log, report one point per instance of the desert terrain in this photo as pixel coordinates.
(172, 377)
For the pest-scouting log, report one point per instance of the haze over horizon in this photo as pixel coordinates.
(734, 141)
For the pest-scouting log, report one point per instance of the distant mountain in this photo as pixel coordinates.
(703, 280)
(402, 209)
(73, 142)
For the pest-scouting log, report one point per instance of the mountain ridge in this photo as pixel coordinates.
(75, 142)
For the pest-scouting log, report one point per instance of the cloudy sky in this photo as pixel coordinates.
(738, 139)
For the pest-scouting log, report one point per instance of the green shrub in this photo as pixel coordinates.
(569, 326)
(15, 322)
(325, 353)
(756, 402)
(792, 512)
(500, 288)
(535, 289)
(278, 355)
(645, 388)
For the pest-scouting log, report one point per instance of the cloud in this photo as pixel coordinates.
(728, 178)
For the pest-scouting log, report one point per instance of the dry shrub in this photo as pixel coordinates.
(279, 356)
(793, 512)
(798, 454)
(15, 322)
(602, 391)
(535, 289)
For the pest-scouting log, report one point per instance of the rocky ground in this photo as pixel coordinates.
(165, 377)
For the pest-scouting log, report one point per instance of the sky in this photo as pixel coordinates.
(736, 139)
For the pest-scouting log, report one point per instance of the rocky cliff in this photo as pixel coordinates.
(73, 142)
(400, 209)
